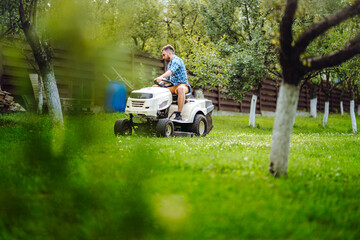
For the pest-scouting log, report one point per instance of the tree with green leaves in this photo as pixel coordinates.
(326, 44)
(295, 66)
(147, 23)
(239, 24)
(206, 67)
(328, 83)
(248, 72)
(349, 72)
(183, 22)
(313, 83)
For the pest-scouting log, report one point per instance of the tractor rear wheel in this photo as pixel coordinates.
(199, 126)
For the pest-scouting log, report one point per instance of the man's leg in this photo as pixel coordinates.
(181, 90)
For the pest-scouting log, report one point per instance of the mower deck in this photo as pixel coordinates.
(183, 134)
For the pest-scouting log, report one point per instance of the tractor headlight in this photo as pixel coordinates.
(163, 104)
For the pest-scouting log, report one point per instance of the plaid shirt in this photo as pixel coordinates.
(177, 67)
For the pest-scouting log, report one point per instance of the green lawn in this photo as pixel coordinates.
(85, 183)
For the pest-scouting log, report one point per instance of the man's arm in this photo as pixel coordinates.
(168, 73)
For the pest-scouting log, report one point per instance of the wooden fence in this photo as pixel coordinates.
(267, 100)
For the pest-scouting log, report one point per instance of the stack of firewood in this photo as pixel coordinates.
(7, 104)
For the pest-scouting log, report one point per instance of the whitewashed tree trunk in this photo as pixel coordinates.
(41, 97)
(342, 108)
(352, 115)
(326, 114)
(52, 97)
(313, 107)
(284, 118)
(252, 111)
(358, 111)
(43, 58)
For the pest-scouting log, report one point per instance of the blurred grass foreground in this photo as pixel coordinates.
(82, 182)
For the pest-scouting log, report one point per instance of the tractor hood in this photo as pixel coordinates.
(148, 101)
(149, 92)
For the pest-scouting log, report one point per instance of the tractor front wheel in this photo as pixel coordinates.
(122, 127)
(164, 128)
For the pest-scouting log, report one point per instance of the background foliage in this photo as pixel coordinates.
(228, 44)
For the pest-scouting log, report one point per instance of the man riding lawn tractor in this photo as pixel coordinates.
(156, 110)
(176, 73)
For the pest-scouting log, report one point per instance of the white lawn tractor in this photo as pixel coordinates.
(152, 110)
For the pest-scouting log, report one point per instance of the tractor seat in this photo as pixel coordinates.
(187, 96)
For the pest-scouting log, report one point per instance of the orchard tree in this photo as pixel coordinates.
(20, 16)
(183, 23)
(27, 12)
(295, 67)
(10, 28)
(313, 86)
(221, 20)
(235, 21)
(147, 23)
(313, 79)
(322, 45)
(326, 44)
(239, 26)
(343, 90)
(328, 83)
(103, 22)
(206, 67)
(313, 82)
(247, 73)
(349, 72)
(186, 15)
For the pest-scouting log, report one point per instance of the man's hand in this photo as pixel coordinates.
(158, 79)
(168, 73)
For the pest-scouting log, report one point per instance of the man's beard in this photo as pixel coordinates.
(168, 58)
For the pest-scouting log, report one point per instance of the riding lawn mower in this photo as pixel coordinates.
(152, 110)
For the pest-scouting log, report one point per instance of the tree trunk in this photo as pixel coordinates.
(326, 114)
(352, 115)
(358, 111)
(41, 97)
(342, 108)
(1, 67)
(252, 111)
(313, 107)
(44, 61)
(294, 67)
(284, 118)
(52, 94)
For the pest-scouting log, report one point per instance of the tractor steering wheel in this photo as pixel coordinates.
(167, 83)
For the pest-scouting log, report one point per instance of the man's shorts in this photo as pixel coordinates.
(174, 89)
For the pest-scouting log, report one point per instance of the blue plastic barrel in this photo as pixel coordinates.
(115, 97)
